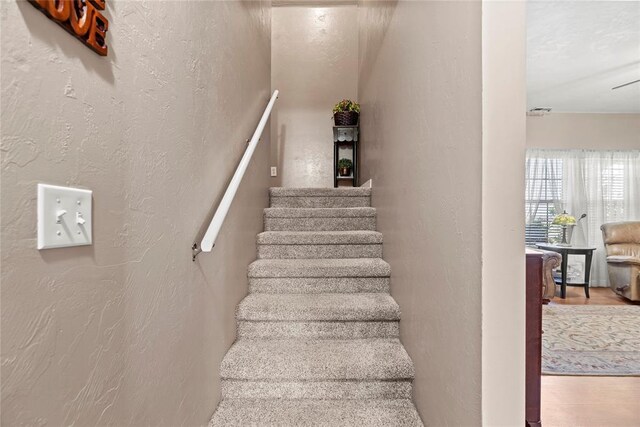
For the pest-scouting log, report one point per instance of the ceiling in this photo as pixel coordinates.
(578, 50)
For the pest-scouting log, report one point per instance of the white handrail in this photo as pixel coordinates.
(209, 239)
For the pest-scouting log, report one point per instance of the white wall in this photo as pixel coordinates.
(421, 92)
(314, 65)
(584, 131)
(128, 331)
(443, 116)
(503, 257)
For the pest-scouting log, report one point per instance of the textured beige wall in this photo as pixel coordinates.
(584, 131)
(421, 92)
(128, 331)
(314, 64)
(503, 257)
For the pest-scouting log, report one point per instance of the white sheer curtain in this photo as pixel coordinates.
(543, 198)
(542, 185)
(603, 184)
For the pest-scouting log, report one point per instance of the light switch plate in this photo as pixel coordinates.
(64, 216)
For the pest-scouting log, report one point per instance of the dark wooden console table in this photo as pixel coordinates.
(533, 364)
(539, 286)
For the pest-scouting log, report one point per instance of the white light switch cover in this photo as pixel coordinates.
(64, 216)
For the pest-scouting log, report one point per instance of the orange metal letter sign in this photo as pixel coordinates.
(81, 18)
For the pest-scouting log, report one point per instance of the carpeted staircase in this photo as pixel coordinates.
(318, 334)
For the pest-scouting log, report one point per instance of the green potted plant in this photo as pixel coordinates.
(344, 167)
(346, 113)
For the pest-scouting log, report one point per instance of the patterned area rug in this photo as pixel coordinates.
(591, 340)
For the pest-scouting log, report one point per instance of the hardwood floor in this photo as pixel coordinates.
(590, 401)
(579, 401)
(599, 296)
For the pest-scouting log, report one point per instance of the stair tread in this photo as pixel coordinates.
(359, 237)
(318, 285)
(316, 412)
(309, 360)
(319, 212)
(320, 267)
(319, 307)
(319, 192)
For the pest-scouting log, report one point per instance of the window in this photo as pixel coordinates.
(542, 197)
(604, 184)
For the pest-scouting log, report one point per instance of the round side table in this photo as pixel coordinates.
(565, 251)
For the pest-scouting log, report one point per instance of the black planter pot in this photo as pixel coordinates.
(345, 171)
(345, 118)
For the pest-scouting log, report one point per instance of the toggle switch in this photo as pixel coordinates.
(79, 219)
(57, 229)
(59, 215)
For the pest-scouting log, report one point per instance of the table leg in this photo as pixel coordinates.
(563, 268)
(355, 163)
(587, 272)
(335, 165)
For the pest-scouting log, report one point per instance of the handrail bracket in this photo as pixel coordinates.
(195, 250)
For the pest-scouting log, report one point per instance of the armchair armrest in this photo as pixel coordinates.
(623, 259)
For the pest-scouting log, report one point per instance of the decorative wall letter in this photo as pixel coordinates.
(81, 18)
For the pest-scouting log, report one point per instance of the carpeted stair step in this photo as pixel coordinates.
(320, 307)
(289, 364)
(319, 197)
(319, 219)
(320, 244)
(316, 285)
(240, 389)
(322, 267)
(318, 316)
(317, 360)
(310, 412)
